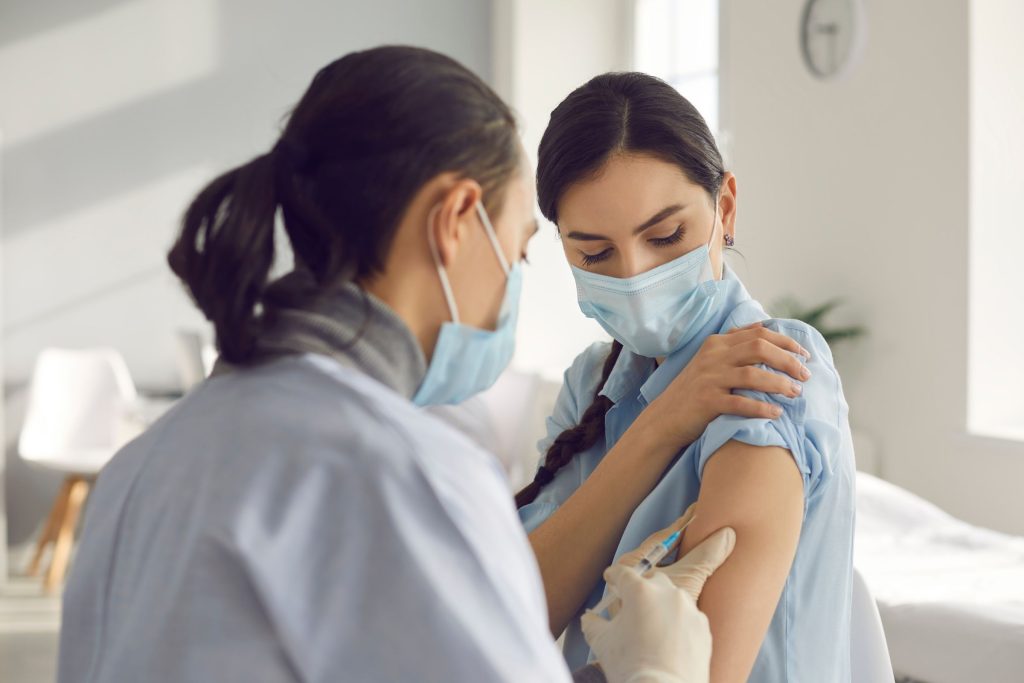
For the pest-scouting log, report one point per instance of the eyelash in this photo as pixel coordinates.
(674, 238)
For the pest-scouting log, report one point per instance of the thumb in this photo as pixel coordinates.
(594, 627)
(692, 570)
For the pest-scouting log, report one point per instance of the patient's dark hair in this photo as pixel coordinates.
(372, 128)
(615, 113)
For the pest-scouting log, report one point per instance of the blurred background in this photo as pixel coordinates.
(878, 147)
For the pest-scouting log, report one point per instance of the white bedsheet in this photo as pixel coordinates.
(951, 595)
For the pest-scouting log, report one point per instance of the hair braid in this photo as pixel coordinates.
(575, 440)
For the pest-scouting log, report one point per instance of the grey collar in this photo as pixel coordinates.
(355, 328)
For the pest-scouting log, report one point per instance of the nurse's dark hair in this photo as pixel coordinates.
(613, 114)
(372, 128)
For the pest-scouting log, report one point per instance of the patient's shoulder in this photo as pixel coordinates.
(585, 372)
(807, 335)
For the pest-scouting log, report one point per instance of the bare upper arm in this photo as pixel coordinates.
(759, 492)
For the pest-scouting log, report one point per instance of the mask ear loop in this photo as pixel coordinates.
(449, 297)
(493, 236)
(710, 273)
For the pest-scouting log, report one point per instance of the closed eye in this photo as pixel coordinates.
(674, 238)
(591, 259)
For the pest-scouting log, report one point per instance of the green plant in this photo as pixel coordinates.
(815, 317)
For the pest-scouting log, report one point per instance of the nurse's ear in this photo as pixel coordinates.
(452, 218)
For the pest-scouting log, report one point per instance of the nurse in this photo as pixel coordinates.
(632, 177)
(297, 517)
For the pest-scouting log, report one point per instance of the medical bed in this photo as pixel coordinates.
(950, 595)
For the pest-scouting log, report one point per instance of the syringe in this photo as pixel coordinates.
(646, 563)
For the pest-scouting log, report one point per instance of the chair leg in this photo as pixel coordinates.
(49, 532)
(66, 535)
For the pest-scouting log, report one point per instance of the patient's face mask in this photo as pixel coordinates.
(467, 359)
(656, 312)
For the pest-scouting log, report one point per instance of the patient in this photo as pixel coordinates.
(633, 179)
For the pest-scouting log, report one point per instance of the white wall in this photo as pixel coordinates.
(859, 188)
(114, 113)
(543, 51)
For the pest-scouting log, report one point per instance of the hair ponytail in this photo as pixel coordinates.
(225, 251)
(575, 440)
(370, 131)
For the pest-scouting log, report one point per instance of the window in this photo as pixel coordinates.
(677, 40)
(996, 314)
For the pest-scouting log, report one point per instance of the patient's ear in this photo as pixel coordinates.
(453, 217)
(727, 204)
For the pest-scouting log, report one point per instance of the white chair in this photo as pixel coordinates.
(195, 355)
(75, 422)
(869, 652)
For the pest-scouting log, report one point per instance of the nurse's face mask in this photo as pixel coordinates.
(467, 359)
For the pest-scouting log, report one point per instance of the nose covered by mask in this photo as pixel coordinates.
(657, 312)
(467, 359)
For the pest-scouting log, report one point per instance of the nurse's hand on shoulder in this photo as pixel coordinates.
(703, 390)
(658, 635)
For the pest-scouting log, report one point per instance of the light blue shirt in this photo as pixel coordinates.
(808, 640)
(301, 521)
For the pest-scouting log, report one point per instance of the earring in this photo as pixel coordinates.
(729, 240)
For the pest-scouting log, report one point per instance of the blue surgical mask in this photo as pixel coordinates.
(468, 360)
(657, 312)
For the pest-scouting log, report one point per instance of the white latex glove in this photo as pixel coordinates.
(657, 636)
(691, 571)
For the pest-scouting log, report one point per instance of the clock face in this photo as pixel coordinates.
(830, 35)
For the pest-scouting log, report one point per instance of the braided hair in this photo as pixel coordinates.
(576, 439)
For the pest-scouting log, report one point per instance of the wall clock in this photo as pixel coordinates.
(831, 36)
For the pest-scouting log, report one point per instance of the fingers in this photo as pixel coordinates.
(636, 589)
(743, 335)
(745, 327)
(757, 351)
(742, 406)
(620, 578)
(691, 572)
(593, 626)
(712, 551)
(757, 379)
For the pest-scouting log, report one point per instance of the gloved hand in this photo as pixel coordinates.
(690, 572)
(658, 635)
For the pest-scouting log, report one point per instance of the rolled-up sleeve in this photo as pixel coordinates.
(808, 427)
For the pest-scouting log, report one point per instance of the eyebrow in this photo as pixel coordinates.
(650, 222)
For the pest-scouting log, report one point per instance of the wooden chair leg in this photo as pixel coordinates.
(49, 532)
(66, 535)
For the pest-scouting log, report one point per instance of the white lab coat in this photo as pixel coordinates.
(302, 522)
